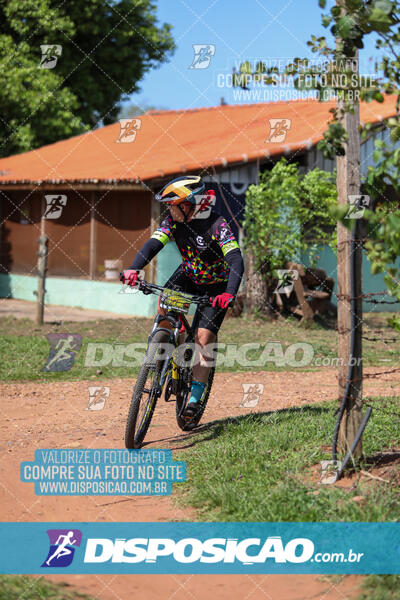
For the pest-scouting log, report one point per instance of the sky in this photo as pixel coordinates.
(236, 30)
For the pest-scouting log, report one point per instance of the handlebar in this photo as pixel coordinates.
(151, 288)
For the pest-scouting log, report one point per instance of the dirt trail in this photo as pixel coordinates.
(215, 587)
(53, 415)
(25, 309)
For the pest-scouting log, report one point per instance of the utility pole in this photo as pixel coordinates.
(348, 183)
(42, 266)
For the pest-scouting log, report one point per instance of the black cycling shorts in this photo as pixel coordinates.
(208, 317)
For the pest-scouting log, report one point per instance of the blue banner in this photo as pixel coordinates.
(212, 548)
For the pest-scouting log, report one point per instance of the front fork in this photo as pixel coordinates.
(169, 364)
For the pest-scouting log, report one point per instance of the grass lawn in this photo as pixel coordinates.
(24, 347)
(381, 587)
(22, 587)
(262, 467)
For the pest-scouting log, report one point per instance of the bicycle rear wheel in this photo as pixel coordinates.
(145, 393)
(183, 399)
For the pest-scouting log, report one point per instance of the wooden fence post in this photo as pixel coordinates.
(93, 236)
(42, 270)
(348, 183)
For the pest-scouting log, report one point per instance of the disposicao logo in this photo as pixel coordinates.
(190, 550)
(62, 547)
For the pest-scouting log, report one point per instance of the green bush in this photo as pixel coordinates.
(287, 213)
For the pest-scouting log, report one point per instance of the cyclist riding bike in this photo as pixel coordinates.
(212, 265)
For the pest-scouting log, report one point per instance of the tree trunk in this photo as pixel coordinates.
(257, 293)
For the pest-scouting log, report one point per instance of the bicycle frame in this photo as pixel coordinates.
(175, 318)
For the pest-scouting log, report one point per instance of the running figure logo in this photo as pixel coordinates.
(278, 130)
(54, 205)
(129, 128)
(204, 202)
(202, 55)
(62, 550)
(50, 54)
(286, 279)
(252, 393)
(357, 206)
(63, 347)
(97, 397)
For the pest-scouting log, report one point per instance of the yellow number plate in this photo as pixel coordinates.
(172, 300)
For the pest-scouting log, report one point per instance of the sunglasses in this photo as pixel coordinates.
(185, 204)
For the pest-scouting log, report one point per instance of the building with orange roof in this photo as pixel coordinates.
(92, 194)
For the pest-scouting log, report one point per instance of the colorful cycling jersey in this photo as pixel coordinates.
(203, 244)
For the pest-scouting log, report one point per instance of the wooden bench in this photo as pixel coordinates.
(304, 289)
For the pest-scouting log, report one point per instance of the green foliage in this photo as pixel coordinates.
(107, 47)
(271, 221)
(383, 225)
(287, 213)
(381, 587)
(332, 143)
(386, 171)
(382, 245)
(318, 194)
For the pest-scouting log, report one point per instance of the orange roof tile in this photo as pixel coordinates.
(170, 142)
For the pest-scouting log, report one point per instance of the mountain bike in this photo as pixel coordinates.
(167, 365)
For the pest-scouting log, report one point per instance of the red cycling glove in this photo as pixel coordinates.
(130, 277)
(223, 300)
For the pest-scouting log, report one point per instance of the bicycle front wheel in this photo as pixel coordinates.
(145, 393)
